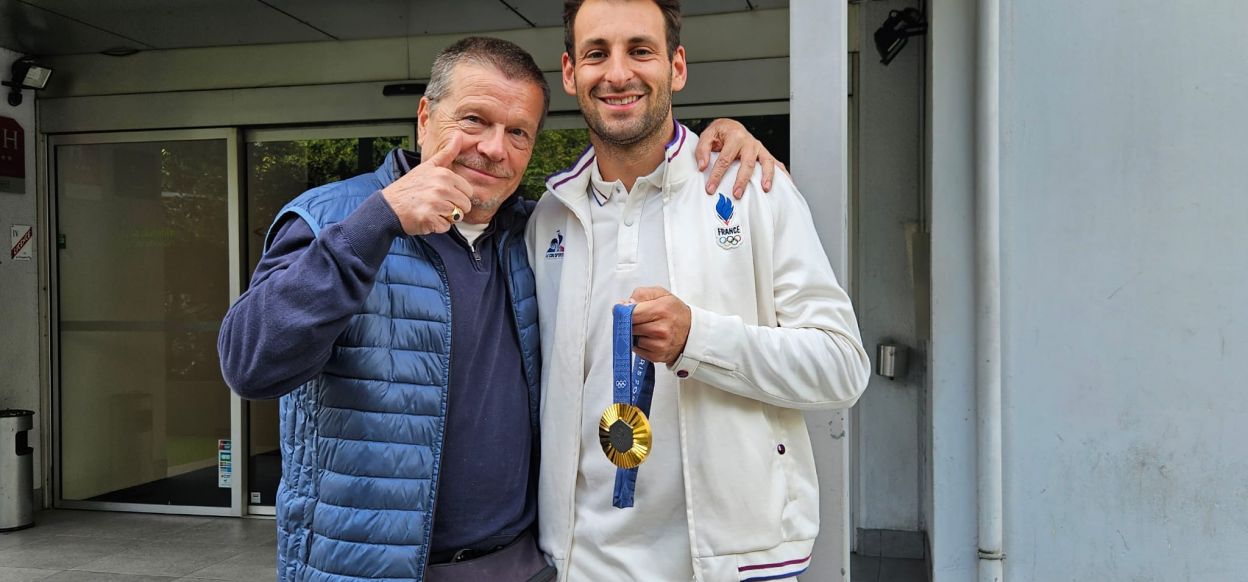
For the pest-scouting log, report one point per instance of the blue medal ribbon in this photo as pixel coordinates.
(633, 384)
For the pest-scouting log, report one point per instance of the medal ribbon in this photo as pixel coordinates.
(634, 384)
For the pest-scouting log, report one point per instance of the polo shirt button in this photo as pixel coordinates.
(628, 221)
(780, 448)
(682, 374)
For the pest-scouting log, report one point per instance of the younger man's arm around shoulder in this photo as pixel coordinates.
(281, 331)
(812, 358)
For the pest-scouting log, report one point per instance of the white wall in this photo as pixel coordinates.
(19, 281)
(1126, 273)
(1125, 270)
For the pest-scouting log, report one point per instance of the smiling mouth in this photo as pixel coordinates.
(621, 100)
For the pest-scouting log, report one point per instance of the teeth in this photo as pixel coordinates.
(621, 100)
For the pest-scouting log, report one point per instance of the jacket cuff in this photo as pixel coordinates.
(371, 229)
(697, 345)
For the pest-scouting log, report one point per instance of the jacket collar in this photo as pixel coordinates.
(572, 184)
(398, 162)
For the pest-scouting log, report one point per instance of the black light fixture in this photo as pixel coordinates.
(896, 31)
(403, 89)
(25, 75)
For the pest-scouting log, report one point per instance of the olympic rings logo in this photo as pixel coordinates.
(732, 239)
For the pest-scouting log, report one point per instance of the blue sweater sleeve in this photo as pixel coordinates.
(280, 332)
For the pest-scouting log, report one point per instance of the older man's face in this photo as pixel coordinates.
(497, 118)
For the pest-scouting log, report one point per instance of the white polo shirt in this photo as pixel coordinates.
(649, 541)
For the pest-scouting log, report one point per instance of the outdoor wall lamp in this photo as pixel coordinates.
(896, 31)
(25, 75)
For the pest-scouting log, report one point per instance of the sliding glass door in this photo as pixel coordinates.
(142, 280)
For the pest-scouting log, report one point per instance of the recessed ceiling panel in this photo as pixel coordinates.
(550, 12)
(188, 23)
(31, 30)
(351, 19)
(461, 16)
(540, 12)
(362, 19)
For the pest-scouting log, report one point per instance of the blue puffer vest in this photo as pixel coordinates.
(362, 442)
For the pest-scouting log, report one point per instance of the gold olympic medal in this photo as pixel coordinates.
(624, 432)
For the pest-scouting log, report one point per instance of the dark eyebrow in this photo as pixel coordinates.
(636, 40)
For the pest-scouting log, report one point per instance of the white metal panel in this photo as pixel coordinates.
(188, 23)
(219, 68)
(819, 137)
(720, 82)
(240, 436)
(707, 38)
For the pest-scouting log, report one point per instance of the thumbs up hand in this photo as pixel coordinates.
(431, 197)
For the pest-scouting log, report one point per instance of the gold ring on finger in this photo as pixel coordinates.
(456, 214)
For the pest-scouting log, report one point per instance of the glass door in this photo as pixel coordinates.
(281, 164)
(142, 279)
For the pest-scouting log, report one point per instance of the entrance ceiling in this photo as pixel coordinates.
(60, 27)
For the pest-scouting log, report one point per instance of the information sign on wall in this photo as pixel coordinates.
(12, 156)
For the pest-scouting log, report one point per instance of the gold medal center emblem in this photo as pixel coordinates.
(624, 432)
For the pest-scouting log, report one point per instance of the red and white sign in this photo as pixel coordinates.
(12, 156)
(21, 236)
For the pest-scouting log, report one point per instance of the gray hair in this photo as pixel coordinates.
(507, 57)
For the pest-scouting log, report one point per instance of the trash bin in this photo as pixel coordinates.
(17, 494)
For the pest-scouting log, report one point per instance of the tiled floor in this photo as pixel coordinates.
(868, 569)
(98, 546)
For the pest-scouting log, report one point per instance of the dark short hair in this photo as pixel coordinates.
(507, 57)
(671, 24)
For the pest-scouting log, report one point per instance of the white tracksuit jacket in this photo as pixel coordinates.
(772, 334)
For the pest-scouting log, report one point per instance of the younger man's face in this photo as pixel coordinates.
(619, 70)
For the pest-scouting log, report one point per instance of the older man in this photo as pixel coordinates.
(736, 298)
(394, 314)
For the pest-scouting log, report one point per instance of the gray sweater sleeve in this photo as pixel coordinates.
(281, 331)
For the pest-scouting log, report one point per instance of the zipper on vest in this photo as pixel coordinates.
(472, 246)
(439, 265)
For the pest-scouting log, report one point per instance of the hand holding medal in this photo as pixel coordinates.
(624, 430)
